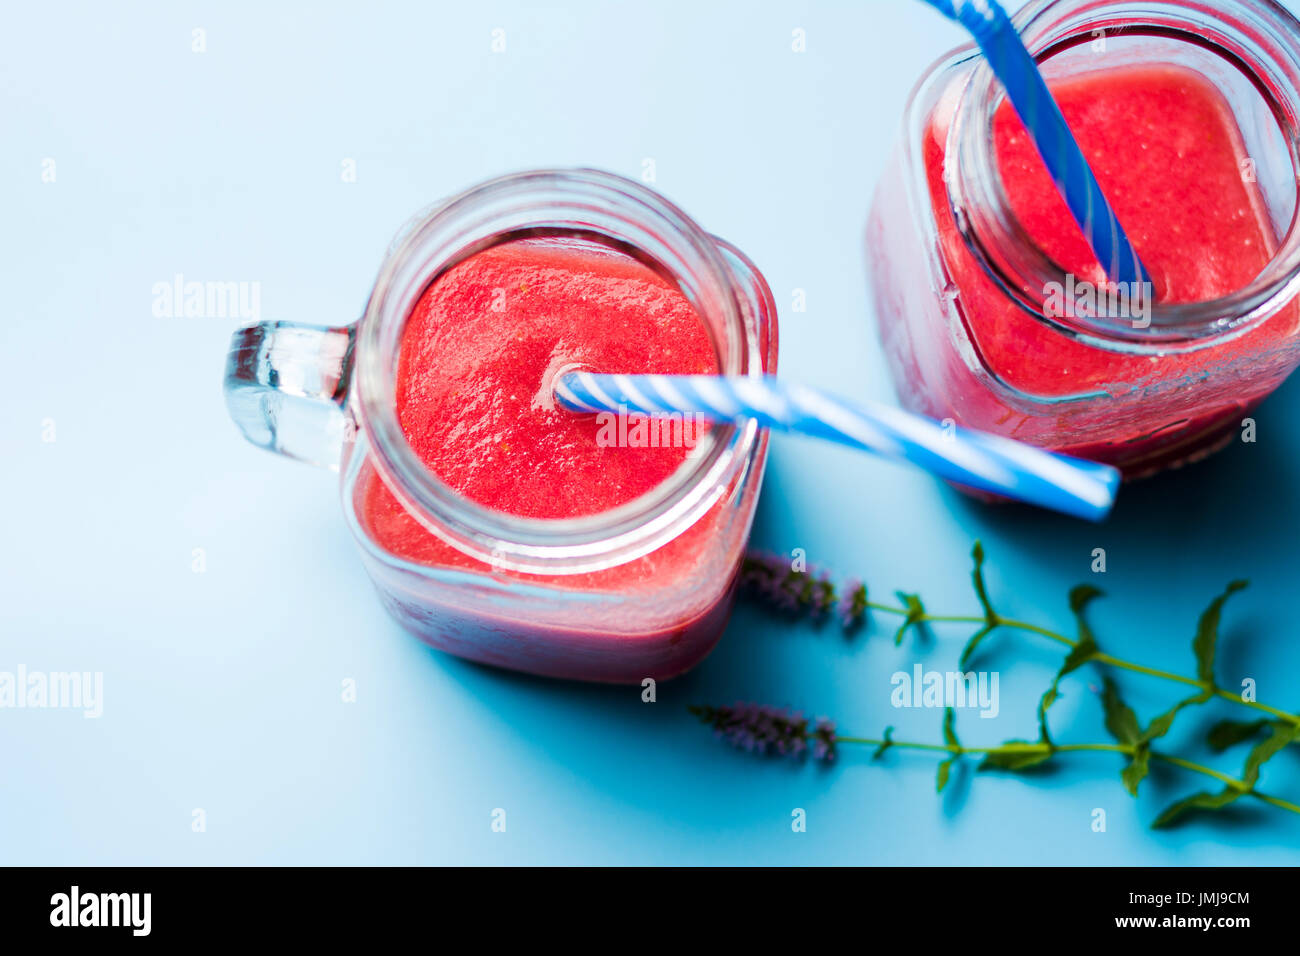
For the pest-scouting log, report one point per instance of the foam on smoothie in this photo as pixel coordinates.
(477, 354)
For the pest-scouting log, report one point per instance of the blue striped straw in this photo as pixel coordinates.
(978, 460)
(1013, 65)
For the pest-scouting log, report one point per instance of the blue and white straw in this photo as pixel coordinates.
(1013, 65)
(986, 462)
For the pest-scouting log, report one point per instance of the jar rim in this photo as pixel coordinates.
(981, 208)
(599, 204)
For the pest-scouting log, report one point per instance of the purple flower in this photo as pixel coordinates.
(761, 729)
(824, 740)
(773, 579)
(853, 605)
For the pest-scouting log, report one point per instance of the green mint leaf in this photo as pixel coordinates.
(991, 619)
(1229, 733)
(1014, 760)
(1046, 701)
(1080, 597)
(1266, 750)
(1079, 655)
(1259, 755)
(885, 744)
(1120, 719)
(1197, 801)
(941, 776)
(968, 651)
(915, 614)
(1160, 726)
(1084, 650)
(981, 591)
(1124, 727)
(1137, 768)
(1207, 635)
(949, 738)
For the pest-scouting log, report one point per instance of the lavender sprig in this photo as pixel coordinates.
(758, 728)
(777, 581)
(763, 729)
(824, 740)
(773, 579)
(770, 579)
(853, 605)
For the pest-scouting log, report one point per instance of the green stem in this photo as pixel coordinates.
(958, 750)
(1107, 659)
(1027, 748)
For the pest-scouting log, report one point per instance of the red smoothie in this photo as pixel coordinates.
(473, 396)
(1169, 155)
(473, 391)
(473, 399)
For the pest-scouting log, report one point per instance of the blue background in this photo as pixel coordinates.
(222, 688)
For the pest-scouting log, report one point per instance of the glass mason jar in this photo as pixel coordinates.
(642, 590)
(956, 276)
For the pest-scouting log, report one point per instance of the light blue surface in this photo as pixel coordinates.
(222, 689)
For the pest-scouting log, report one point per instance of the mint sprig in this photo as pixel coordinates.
(813, 591)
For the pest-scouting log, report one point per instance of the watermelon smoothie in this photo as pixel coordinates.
(477, 359)
(494, 525)
(1168, 152)
(474, 381)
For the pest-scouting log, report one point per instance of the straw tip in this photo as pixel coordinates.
(1105, 479)
(558, 386)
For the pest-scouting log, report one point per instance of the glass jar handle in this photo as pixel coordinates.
(286, 385)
